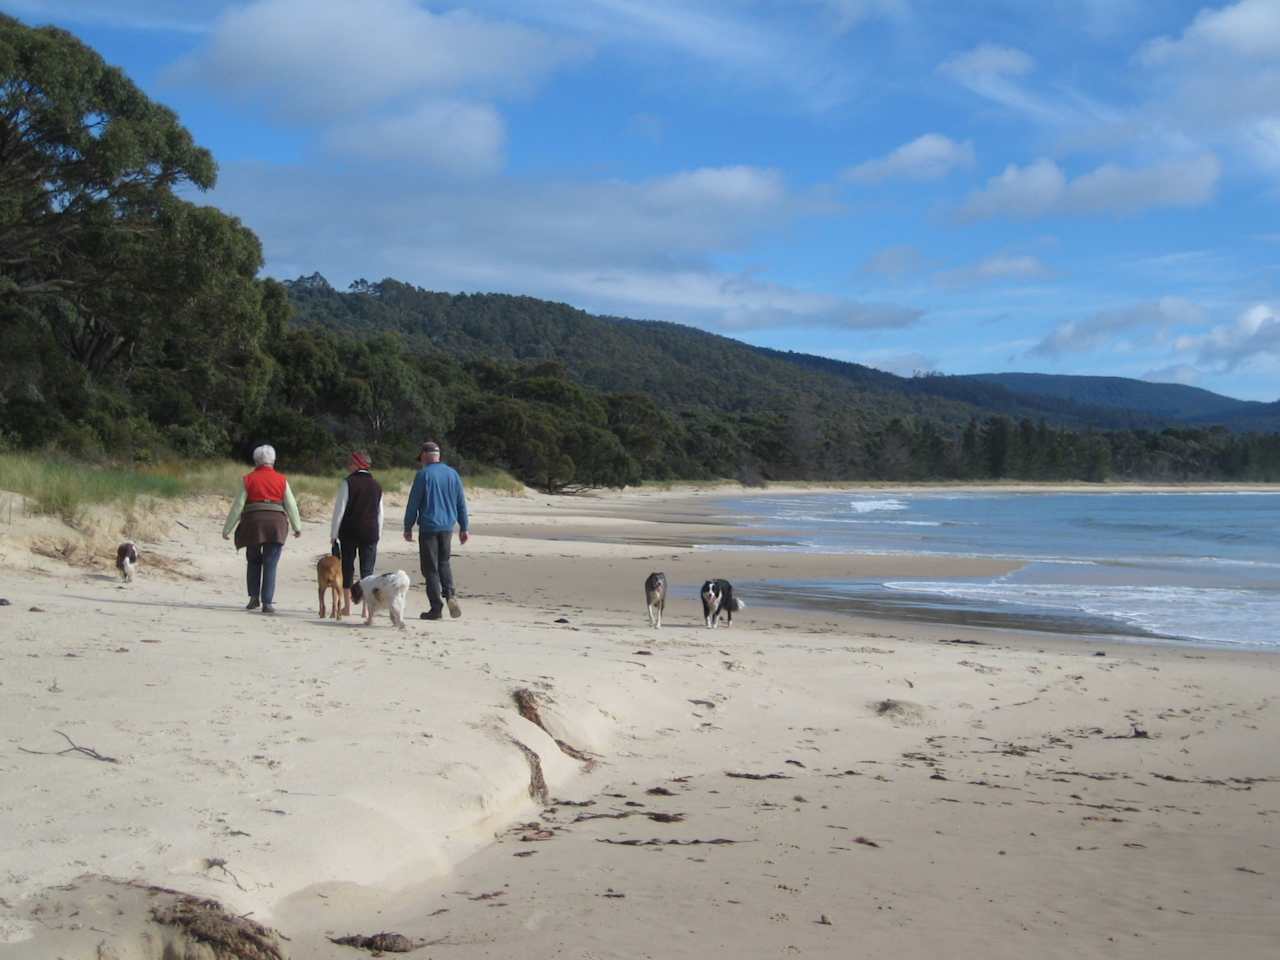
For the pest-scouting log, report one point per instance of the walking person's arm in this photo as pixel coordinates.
(291, 508)
(233, 517)
(339, 508)
(381, 516)
(414, 505)
(464, 521)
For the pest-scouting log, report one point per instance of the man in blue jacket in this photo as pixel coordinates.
(436, 503)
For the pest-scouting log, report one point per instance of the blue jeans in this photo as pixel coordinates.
(260, 570)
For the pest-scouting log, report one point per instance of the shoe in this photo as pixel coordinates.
(268, 608)
(429, 615)
(252, 604)
(455, 610)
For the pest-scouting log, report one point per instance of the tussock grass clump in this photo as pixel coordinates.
(65, 489)
(490, 478)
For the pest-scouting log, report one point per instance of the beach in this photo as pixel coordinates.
(806, 783)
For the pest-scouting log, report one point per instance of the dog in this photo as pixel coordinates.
(655, 597)
(329, 578)
(382, 591)
(718, 598)
(126, 560)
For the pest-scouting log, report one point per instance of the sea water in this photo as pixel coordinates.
(1192, 567)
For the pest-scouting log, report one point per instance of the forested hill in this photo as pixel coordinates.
(675, 365)
(682, 366)
(1173, 401)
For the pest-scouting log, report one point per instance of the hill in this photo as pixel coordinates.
(1174, 401)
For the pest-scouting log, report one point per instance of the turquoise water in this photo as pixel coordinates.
(1197, 567)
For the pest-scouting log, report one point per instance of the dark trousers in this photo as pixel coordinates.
(433, 551)
(260, 570)
(368, 560)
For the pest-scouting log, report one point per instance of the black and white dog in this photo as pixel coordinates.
(126, 560)
(382, 591)
(655, 597)
(718, 598)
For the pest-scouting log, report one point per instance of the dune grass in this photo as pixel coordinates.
(66, 488)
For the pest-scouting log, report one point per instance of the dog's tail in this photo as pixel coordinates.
(738, 605)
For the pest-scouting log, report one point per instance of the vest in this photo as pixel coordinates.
(264, 485)
(359, 523)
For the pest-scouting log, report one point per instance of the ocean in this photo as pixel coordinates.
(1198, 568)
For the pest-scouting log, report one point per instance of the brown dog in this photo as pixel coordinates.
(329, 577)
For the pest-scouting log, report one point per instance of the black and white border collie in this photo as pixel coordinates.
(718, 598)
(126, 560)
(655, 597)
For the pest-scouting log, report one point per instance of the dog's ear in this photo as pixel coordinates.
(357, 592)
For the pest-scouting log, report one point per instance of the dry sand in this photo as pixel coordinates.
(908, 789)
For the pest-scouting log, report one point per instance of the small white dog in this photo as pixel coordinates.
(382, 591)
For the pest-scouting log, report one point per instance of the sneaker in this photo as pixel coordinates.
(268, 608)
(429, 615)
(252, 604)
(455, 610)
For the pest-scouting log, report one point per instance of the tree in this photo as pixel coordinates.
(85, 158)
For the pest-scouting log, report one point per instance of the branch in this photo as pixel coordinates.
(74, 748)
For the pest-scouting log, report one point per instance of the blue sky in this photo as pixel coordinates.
(1067, 186)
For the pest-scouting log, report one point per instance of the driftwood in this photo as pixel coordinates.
(74, 748)
(757, 776)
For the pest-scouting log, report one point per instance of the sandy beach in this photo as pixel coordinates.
(803, 784)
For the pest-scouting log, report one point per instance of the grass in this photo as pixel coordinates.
(66, 488)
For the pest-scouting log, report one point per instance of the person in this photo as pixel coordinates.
(436, 503)
(262, 515)
(357, 522)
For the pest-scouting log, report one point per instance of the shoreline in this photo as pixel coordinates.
(346, 780)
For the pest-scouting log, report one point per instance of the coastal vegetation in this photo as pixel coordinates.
(138, 331)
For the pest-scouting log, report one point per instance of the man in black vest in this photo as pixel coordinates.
(357, 522)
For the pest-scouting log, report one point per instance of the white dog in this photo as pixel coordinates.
(382, 591)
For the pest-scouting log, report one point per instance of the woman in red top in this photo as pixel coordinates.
(261, 516)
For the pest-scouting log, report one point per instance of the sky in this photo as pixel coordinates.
(1059, 186)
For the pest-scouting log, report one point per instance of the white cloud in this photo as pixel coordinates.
(1041, 188)
(895, 262)
(748, 187)
(1249, 29)
(1104, 327)
(1030, 191)
(904, 364)
(848, 14)
(987, 61)
(1115, 189)
(1253, 337)
(312, 60)
(634, 248)
(464, 138)
(999, 267)
(1175, 373)
(928, 157)
(992, 71)
(1217, 81)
